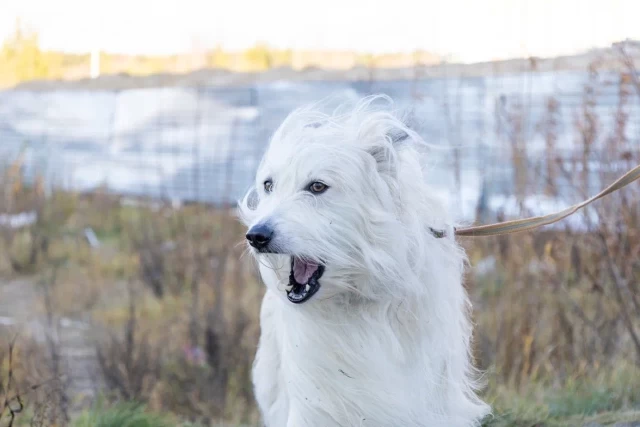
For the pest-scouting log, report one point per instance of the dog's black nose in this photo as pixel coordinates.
(259, 236)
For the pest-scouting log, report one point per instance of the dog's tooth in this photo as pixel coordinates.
(306, 288)
(288, 288)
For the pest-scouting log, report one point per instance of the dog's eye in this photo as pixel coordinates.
(318, 187)
(268, 186)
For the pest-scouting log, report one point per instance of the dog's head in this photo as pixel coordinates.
(329, 207)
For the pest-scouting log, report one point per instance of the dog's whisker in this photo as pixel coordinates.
(266, 264)
(245, 252)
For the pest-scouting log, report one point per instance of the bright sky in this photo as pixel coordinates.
(469, 30)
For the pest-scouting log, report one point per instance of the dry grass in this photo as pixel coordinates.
(174, 305)
(29, 391)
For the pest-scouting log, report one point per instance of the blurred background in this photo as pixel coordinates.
(129, 129)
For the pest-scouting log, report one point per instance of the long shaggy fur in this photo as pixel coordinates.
(386, 340)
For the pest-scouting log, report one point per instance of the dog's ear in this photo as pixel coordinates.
(384, 156)
(397, 135)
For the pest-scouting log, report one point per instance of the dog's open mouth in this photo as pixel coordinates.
(303, 280)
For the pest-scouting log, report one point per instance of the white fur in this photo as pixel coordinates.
(386, 340)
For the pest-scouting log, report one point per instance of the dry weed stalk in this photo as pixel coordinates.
(12, 403)
(565, 302)
(130, 364)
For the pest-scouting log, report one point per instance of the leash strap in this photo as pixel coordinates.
(526, 224)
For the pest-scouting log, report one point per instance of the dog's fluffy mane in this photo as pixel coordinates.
(411, 307)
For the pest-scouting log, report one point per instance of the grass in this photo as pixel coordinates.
(123, 414)
(606, 419)
(603, 399)
(565, 409)
(568, 407)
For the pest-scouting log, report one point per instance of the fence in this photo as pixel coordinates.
(204, 143)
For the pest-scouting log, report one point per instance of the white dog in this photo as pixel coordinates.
(365, 320)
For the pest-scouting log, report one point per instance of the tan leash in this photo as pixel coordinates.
(526, 224)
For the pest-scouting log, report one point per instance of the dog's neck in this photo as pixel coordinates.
(386, 309)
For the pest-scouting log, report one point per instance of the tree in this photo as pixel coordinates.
(22, 59)
(259, 57)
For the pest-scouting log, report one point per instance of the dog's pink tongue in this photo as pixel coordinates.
(302, 271)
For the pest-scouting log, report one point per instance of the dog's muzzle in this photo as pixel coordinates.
(304, 276)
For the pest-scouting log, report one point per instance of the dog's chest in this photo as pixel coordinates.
(342, 368)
